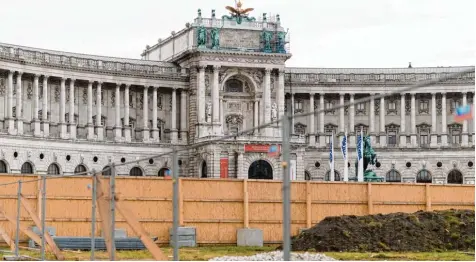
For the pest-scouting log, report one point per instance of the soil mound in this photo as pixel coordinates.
(420, 231)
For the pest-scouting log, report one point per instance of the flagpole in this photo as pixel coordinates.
(344, 154)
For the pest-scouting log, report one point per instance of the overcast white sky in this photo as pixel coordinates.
(332, 33)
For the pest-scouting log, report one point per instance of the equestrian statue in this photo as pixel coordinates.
(370, 157)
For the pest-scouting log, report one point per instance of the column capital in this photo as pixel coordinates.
(91, 82)
(341, 94)
(36, 76)
(403, 94)
(351, 95)
(73, 80)
(201, 67)
(11, 72)
(443, 93)
(267, 71)
(216, 67)
(127, 86)
(281, 71)
(433, 94)
(63, 79)
(99, 83)
(312, 94)
(19, 73)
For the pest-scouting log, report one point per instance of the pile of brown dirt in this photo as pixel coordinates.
(420, 231)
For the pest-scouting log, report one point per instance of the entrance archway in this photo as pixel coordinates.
(204, 169)
(260, 169)
(455, 177)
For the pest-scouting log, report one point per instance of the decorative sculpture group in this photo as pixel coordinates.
(369, 157)
(274, 112)
(238, 14)
(208, 112)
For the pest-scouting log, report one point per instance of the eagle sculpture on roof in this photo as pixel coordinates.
(237, 11)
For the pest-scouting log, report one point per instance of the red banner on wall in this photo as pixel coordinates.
(259, 148)
(224, 168)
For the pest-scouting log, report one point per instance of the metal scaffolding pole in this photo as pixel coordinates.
(17, 238)
(93, 216)
(286, 190)
(113, 212)
(175, 174)
(43, 215)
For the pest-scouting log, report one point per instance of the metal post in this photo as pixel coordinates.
(93, 217)
(43, 215)
(113, 209)
(17, 239)
(175, 200)
(286, 190)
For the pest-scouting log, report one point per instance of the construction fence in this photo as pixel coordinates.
(218, 207)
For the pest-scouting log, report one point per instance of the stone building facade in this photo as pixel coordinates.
(64, 112)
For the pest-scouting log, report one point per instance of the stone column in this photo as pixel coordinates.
(145, 116)
(341, 114)
(281, 95)
(174, 136)
(444, 135)
(90, 111)
(222, 116)
(215, 101)
(351, 121)
(10, 119)
(118, 126)
(183, 116)
(413, 134)
(403, 135)
(434, 136)
(36, 106)
(155, 130)
(312, 132)
(322, 137)
(19, 104)
(46, 124)
(62, 122)
(464, 137)
(127, 128)
(267, 101)
(72, 124)
(256, 117)
(201, 95)
(383, 134)
(99, 127)
(372, 120)
(292, 114)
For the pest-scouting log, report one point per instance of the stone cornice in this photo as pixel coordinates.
(90, 63)
(377, 76)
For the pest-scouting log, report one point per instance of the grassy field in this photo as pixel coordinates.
(205, 253)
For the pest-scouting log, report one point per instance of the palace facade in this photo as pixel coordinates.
(65, 112)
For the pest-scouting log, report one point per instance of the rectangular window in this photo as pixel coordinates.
(361, 106)
(424, 106)
(424, 139)
(392, 138)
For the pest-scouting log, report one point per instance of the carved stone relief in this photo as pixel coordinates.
(113, 98)
(234, 119)
(85, 96)
(408, 107)
(235, 107)
(439, 107)
(207, 82)
(377, 106)
(57, 93)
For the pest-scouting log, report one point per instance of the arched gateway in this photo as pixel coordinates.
(260, 169)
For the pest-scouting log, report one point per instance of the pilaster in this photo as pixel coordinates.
(36, 95)
(268, 131)
(413, 135)
(19, 104)
(145, 116)
(118, 126)
(403, 136)
(312, 132)
(62, 122)
(465, 135)
(72, 123)
(434, 135)
(10, 119)
(183, 116)
(127, 128)
(174, 135)
(444, 135)
(215, 101)
(44, 120)
(90, 125)
(155, 130)
(99, 127)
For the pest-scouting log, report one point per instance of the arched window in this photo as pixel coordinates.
(423, 176)
(455, 177)
(107, 172)
(336, 176)
(135, 171)
(307, 175)
(163, 172)
(3, 167)
(393, 176)
(26, 168)
(80, 169)
(234, 86)
(53, 169)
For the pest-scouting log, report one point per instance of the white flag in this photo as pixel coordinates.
(344, 155)
(331, 159)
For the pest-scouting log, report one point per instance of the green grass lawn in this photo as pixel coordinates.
(207, 252)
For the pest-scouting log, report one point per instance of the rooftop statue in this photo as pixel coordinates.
(238, 13)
